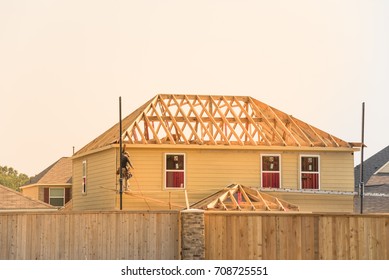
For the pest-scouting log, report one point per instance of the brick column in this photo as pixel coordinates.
(192, 234)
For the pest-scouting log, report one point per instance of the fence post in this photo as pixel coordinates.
(192, 234)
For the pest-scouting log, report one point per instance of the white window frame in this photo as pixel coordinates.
(53, 196)
(309, 172)
(84, 181)
(166, 170)
(279, 171)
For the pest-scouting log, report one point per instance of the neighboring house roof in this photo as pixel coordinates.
(240, 198)
(375, 169)
(213, 120)
(13, 200)
(68, 206)
(376, 180)
(59, 172)
(375, 200)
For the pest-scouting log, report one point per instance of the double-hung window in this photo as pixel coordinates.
(57, 196)
(310, 175)
(175, 171)
(271, 171)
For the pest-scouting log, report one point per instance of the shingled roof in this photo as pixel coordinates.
(11, 200)
(213, 120)
(60, 172)
(376, 179)
(375, 166)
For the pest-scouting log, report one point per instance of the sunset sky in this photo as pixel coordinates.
(64, 64)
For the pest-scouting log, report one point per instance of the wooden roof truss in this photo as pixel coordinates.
(239, 198)
(221, 120)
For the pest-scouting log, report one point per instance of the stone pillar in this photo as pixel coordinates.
(192, 234)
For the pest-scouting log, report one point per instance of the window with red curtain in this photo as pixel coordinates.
(175, 171)
(270, 171)
(310, 172)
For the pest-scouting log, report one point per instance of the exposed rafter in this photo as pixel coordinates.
(240, 198)
(214, 120)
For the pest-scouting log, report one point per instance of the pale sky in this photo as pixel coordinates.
(64, 64)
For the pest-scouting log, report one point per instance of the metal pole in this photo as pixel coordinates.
(121, 154)
(361, 184)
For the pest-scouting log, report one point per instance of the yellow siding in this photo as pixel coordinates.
(318, 202)
(290, 170)
(31, 192)
(37, 191)
(337, 171)
(101, 168)
(207, 171)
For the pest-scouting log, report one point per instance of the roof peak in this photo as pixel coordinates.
(59, 172)
(192, 119)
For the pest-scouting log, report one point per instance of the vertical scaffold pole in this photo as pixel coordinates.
(361, 179)
(121, 154)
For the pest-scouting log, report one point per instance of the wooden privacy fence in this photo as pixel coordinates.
(296, 236)
(192, 234)
(89, 235)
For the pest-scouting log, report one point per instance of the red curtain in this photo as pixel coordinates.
(270, 180)
(174, 179)
(310, 180)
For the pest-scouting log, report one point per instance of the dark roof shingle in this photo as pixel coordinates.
(59, 172)
(371, 165)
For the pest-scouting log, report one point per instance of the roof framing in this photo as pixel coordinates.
(214, 120)
(240, 198)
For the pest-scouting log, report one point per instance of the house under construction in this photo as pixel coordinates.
(185, 148)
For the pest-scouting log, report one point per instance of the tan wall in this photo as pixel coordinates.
(32, 192)
(210, 170)
(206, 172)
(101, 186)
(336, 170)
(318, 202)
(37, 191)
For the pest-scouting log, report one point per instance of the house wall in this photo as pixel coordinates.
(100, 182)
(207, 171)
(32, 192)
(336, 170)
(319, 202)
(37, 192)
